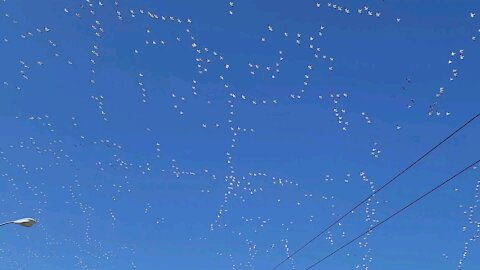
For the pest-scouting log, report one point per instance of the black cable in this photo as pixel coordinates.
(394, 214)
(378, 190)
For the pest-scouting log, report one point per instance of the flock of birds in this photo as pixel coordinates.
(41, 137)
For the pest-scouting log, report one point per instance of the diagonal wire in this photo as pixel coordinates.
(394, 214)
(378, 190)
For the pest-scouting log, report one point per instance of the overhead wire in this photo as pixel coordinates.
(395, 214)
(465, 124)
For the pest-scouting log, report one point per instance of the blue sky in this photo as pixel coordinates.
(217, 135)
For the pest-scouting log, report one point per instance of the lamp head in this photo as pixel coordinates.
(25, 222)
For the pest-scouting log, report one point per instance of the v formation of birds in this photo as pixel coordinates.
(224, 135)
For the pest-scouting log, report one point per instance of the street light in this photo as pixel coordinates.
(25, 222)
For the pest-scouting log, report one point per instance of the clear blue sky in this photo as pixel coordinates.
(208, 135)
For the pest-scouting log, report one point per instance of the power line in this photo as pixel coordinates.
(394, 214)
(378, 190)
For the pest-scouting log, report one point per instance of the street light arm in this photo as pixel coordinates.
(6, 223)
